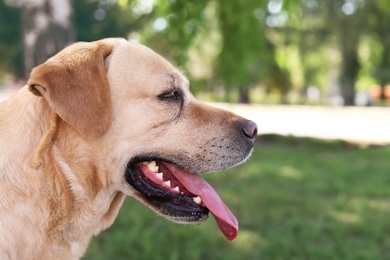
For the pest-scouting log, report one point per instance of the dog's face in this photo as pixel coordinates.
(149, 135)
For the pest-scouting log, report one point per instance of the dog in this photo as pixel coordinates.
(100, 121)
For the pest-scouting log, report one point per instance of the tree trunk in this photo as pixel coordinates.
(350, 64)
(47, 28)
(349, 70)
(243, 95)
(382, 72)
(348, 90)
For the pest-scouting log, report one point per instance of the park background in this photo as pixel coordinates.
(295, 64)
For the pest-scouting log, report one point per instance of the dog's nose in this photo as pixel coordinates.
(250, 129)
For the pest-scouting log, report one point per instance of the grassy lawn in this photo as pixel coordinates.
(294, 199)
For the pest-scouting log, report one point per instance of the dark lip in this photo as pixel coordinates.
(180, 207)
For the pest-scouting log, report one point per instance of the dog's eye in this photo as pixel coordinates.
(171, 96)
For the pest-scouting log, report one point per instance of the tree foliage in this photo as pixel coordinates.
(343, 25)
(96, 19)
(90, 20)
(276, 45)
(11, 43)
(243, 59)
(47, 28)
(174, 28)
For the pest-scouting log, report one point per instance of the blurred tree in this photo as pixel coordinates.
(378, 20)
(97, 19)
(245, 55)
(245, 49)
(173, 30)
(11, 40)
(47, 28)
(250, 41)
(348, 16)
(333, 22)
(345, 22)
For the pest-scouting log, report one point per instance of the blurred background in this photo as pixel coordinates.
(314, 75)
(265, 51)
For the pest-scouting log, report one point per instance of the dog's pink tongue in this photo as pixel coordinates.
(226, 221)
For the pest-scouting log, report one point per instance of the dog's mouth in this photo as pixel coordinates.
(178, 194)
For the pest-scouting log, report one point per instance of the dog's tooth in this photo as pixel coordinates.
(159, 175)
(152, 166)
(176, 190)
(167, 183)
(197, 200)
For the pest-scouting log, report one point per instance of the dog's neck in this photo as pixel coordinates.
(27, 126)
(47, 155)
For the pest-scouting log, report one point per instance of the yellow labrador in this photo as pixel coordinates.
(99, 121)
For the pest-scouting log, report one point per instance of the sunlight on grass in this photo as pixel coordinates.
(249, 240)
(244, 171)
(367, 204)
(344, 217)
(290, 172)
(381, 205)
(350, 211)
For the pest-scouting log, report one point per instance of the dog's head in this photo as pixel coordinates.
(143, 128)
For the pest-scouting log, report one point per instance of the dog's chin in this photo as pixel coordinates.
(157, 187)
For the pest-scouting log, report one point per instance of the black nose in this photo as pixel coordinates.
(250, 129)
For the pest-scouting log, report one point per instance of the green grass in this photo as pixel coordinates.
(294, 199)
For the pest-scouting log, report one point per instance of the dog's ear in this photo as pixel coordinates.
(75, 85)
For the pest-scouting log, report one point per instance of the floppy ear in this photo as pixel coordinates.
(75, 85)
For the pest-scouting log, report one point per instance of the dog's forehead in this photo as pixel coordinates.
(134, 54)
(133, 62)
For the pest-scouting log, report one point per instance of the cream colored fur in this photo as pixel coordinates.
(67, 136)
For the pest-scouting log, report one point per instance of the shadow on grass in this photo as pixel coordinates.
(295, 198)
